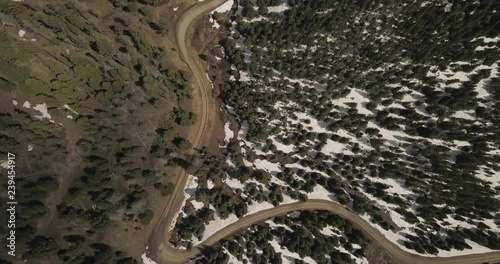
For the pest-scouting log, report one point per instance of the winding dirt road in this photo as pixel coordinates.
(162, 251)
(159, 246)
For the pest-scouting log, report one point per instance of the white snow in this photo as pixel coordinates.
(197, 205)
(475, 249)
(449, 78)
(175, 8)
(314, 124)
(319, 192)
(210, 80)
(244, 77)
(272, 224)
(487, 40)
(355, 96)
(395, 237)
(294, 214)
(146, 260)
(257, 207)
(210, 184)
(42, 108)
(69, 116)
(278, 9)
(482, 93)
(267, 165)
(214, 22)
(424, 3)
(493, 179)
(224, 7)
(217, 224)
(4, 164)
(14, 102)
(230, 162)
(233, 183)
(448, 6)
(70, 109)
(228, 133)
(246, 162)
(191, 186)
(21, 33)
(287, 256)
(30, 147)
(333, 147)
(280, 146)
(395, 186)
(469, 115)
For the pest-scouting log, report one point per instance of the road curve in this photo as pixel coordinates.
(162, 251)
(401, 256)
(158, 244)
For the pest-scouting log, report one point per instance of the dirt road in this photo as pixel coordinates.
(159, 246)
(163, 252)
(180, 256)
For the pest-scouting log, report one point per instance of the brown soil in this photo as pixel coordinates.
(377, 255)
(205, 37)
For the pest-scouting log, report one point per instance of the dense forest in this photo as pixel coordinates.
(390, 108)
(96, 115)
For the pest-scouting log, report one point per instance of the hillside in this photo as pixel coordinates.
(96, 111)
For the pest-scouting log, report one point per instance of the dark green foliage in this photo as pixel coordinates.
(302, 60)
(146, 217)
(40, 247)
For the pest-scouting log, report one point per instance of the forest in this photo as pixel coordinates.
(393, 109)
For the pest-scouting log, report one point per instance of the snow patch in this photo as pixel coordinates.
(147, 260)
(319, 192)
(42, 108)
(278, 9)
(233, 183)
(215, 225)
(210, 184)
(226, 7)
(70, 109)
(228, 133)
(287, 256)
(197, 205)
(191, 186)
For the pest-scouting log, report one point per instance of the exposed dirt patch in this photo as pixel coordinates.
(205, 41)
(377, 255)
